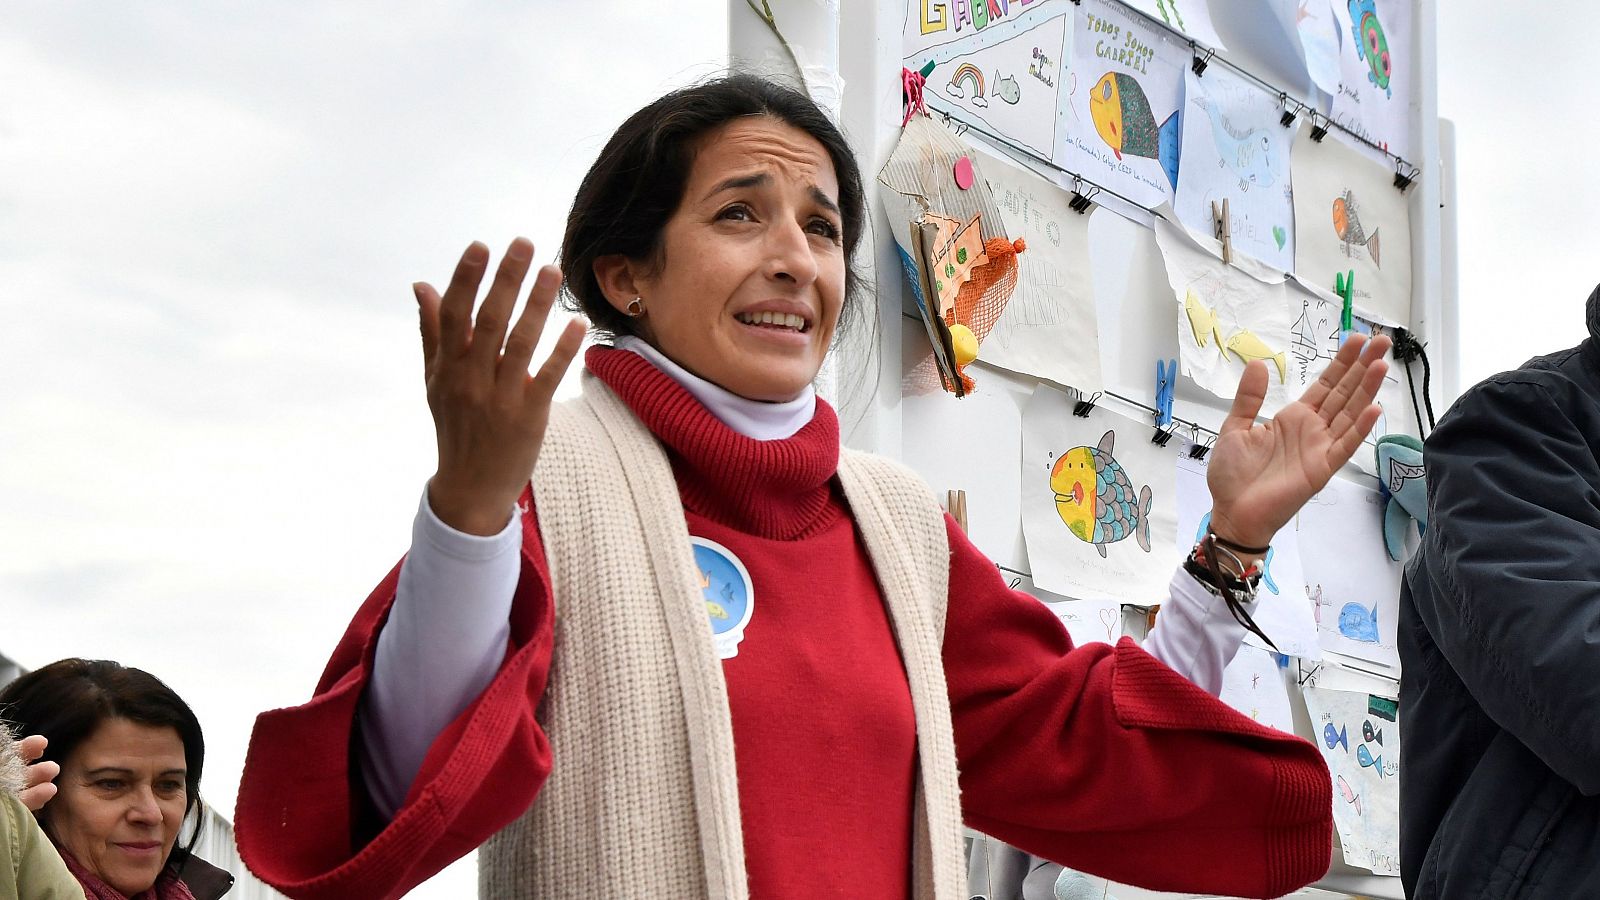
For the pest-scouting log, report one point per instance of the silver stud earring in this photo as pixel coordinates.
(636, 307)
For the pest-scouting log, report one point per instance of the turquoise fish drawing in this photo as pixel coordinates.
(1095, 498)
(1247, 152)
(1358, 623)
(1372, 45)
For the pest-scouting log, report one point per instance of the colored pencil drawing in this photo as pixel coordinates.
(1372, 45)
(1359, 623)
(1123, 119)
(1347, 226)
(1095, 497)
(1248, 152)
(1366, 800)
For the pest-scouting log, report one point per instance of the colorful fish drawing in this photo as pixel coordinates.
(1203, 320)
(1347, 226)
(1006, 88)
(1349, 795)
(1247, 346)
(1248, 152)
(1371, 44)
(1369, 734)
(1358, 623)
(1334, 738)
(1367, 760)
(1095, 498)
(1122, 115)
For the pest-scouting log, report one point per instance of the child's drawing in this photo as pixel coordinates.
(1249, 153)
(1098, 510)
(1359, 623)
(1366, 801)
(1124, 120)
(1372, 47)
(1094, 497)
(1347, 225)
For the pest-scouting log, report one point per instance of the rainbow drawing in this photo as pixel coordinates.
(961, 90)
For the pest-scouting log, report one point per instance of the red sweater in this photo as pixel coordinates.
(1093, 756)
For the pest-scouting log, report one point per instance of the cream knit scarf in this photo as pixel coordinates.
(643, 800)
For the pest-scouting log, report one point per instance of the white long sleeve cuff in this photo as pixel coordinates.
(445, 638)
(1195, 635)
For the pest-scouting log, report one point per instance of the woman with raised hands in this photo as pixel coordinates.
(669, 639)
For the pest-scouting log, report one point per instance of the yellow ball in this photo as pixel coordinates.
(965, 342)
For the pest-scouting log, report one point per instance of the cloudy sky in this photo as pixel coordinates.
(212, 425)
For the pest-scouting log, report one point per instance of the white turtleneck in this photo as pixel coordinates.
(752, 418)
(449, 627)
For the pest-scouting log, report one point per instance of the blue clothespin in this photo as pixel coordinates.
(1166, 379)
(1345, 286)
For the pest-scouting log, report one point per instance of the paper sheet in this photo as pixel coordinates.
(1348, 215)
(1049, 328)
(1192, 17)
(1235, 150)
(1355, 587)
(1359, 737)
(999, 73)
(1317, 38)
(1098, 510)
(1087, 621)
(1282, 608)
(1377, 71)
(1226, 315)
(1123, 123)
(1255, 685)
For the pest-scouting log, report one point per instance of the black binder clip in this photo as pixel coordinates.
(1319, 128)
(1082, 196)
(1162, 436)
(1290, 110)
(1198, 450)
(1082, 408)
(1404, 174)
(1200, 62)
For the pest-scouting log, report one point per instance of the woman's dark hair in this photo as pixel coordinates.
(69, 699)
(638, 181)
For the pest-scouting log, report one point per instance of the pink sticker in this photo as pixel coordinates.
(964, 173)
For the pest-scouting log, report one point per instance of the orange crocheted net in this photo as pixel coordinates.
(978, 305)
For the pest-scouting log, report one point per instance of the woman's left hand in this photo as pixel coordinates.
(1260, 475)
(41, 775)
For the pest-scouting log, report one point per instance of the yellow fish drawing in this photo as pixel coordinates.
(715, 610)
(1203, 320)
(1247, 346)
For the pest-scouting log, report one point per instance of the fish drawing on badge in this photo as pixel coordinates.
(1334, 737)
(1359, 623)
(715, 610)
(1124, 120)
(1372, 46)
(1202, 320)
(1247, 346)
(1347, 227)
(1248, 152)
(1349, 795)
(1006, 88)
(1095, 498)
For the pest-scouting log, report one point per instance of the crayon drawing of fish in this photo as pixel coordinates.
(1095, 498)
(1334, 737)
(1247, 346)
(1246, 151)
(1124, 120)
(1006, 88)
(1359, 623)
(1367, 760)
(1369, 734)
(1347, 227)
(1372, 45)
(1349, 794)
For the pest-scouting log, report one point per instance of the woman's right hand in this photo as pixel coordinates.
(489, 414)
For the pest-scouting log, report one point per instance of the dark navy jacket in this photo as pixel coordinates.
(1499, 641)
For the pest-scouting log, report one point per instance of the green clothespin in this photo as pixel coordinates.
(1345, 286)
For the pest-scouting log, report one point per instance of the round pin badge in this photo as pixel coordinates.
(729, 595)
